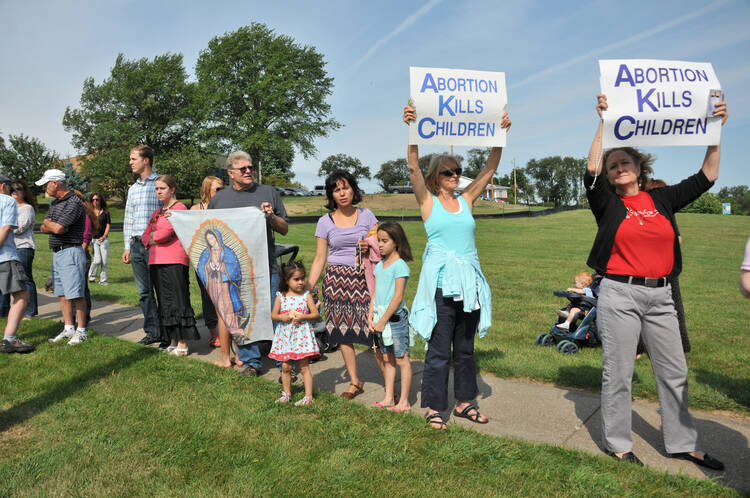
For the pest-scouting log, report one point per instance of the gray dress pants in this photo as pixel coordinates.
(627, 312)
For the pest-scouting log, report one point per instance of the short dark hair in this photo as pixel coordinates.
(287, 270)
(331, 182)
(144, 150)
(398, 236)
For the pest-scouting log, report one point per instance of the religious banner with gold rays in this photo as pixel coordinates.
(227, 248)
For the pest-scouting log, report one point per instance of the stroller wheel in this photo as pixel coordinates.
(539, 339)
(560, 345)
(569, 348)
(548, 340)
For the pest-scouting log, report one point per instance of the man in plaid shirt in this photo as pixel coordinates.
(141, 203)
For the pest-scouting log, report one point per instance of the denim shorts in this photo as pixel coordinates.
(69, 272)
(400, 335)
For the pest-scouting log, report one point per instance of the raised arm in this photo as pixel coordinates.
(412, 157)
(710, 166)
(594, 163)
(476, 188)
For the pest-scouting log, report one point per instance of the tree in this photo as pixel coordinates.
(476, 161)
(74, 181)
(525, 187)
(394, 172)
(707, 203)
(263, 93)
(556, 179)
(142, 101)
(346, 163)
(738, 196)
(26, 158)
(189, 166)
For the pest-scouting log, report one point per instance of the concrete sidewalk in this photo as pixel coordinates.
(533, 412)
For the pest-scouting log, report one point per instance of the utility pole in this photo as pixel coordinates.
(515, 184)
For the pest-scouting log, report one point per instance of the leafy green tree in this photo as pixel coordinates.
(738, 196)
(476, 161)
(25, 157)
(394, 172)
(525, 187)
(707, 203)
(189, 166)
(142, 101)
(263, 93)
(109, 171)
(346, 163)
(556, 179)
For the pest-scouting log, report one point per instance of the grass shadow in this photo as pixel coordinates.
(21, 412)
(736, 389)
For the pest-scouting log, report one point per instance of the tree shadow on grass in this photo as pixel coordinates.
(59, 392)
(734, 388)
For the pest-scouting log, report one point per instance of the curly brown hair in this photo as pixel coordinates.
(640, 159)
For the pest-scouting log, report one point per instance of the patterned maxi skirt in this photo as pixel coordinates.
(347, 301)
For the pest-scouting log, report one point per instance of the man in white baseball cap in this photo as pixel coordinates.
(51, 175)
(65, 223)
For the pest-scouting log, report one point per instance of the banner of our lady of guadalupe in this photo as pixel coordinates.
(228, 249)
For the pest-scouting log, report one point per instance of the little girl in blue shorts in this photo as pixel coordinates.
(388, 316)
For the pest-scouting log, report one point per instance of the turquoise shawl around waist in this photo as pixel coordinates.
(462, 277)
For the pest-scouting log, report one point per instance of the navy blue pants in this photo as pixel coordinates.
(454, 328)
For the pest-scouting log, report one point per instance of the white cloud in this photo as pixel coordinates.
(409, 21)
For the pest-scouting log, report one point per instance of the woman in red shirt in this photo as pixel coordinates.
(636, 249)
(168, 264)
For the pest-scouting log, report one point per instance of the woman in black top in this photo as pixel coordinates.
(100, 240)
(636, 249)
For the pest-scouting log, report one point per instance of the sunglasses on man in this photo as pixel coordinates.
(451, 172)
(245, 169)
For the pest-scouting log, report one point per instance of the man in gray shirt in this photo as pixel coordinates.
(245, 192)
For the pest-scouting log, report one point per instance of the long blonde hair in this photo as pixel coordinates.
(206, 187)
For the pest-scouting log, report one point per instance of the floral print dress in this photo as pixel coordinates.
(294, 341)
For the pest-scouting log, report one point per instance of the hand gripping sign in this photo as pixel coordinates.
(457, 107)
(654, 102)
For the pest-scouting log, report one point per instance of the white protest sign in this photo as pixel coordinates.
(457, 107)
(228, 249)
(654, 102)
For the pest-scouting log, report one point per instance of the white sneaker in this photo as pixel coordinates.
(78, 338)
(561, 326)
(65, 334)
(563, 313)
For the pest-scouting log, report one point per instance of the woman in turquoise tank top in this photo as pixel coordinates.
(453, 299)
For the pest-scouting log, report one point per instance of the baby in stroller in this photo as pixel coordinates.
(586, 286)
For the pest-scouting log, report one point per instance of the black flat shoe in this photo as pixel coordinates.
(627, 457)
(708, 461)
(147, 341)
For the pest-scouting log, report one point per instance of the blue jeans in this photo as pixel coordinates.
(139, 264)
(26, 255)
(249, 354)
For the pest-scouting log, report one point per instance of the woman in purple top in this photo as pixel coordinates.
(339, 237)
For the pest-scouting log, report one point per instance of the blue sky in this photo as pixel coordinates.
(548, 50)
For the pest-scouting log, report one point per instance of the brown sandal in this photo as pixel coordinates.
(357, 391)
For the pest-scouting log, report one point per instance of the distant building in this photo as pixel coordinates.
(497, 193)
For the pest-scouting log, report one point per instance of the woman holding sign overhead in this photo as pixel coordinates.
(636, 250)
(453, 297)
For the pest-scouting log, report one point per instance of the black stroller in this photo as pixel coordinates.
(582, 330)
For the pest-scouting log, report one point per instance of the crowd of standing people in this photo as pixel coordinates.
(364, 270)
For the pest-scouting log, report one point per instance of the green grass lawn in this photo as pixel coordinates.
(113, 418)
(525, 260)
